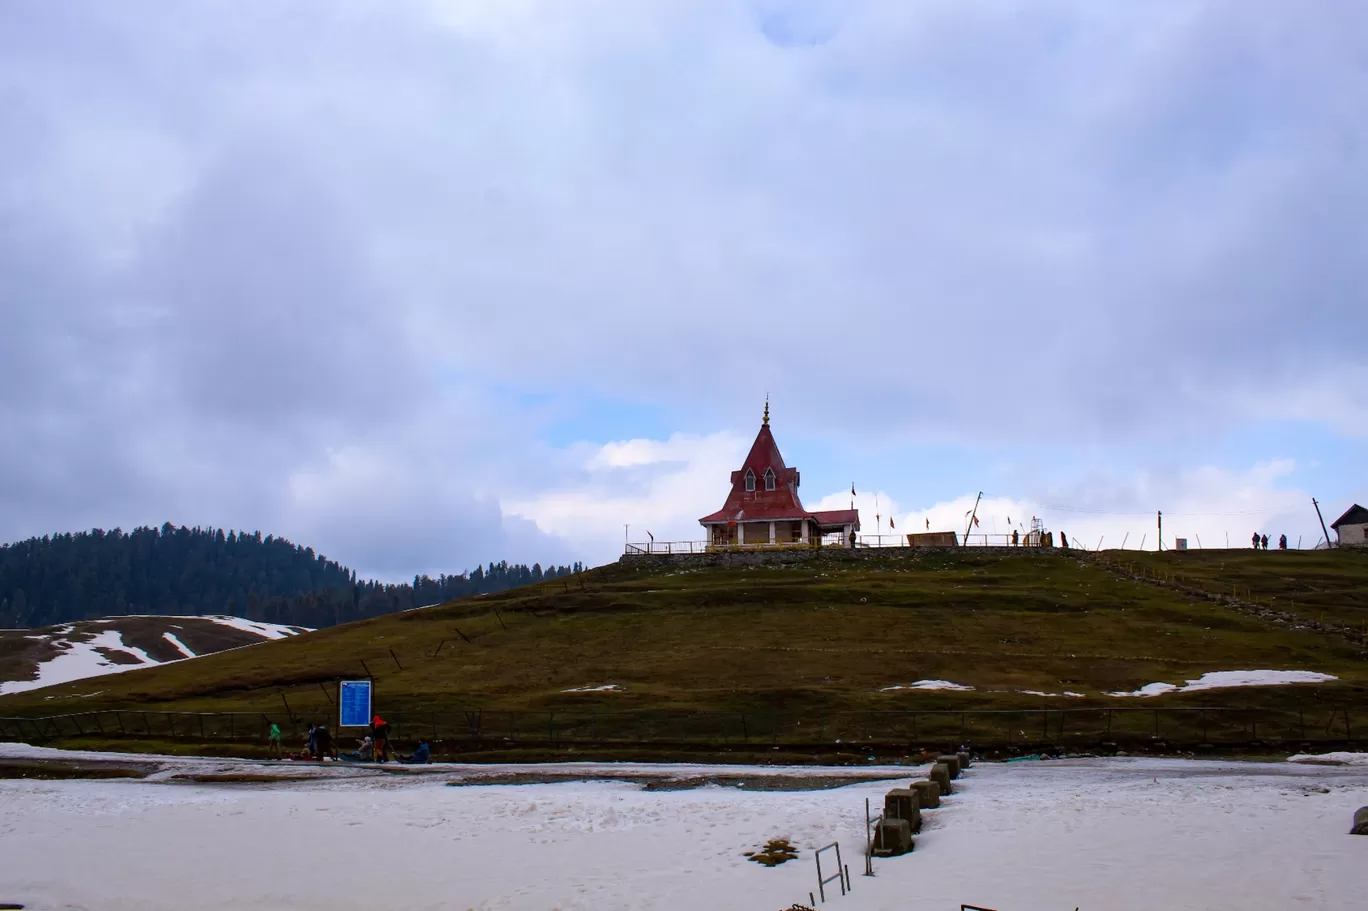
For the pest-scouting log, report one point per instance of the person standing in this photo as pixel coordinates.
(1282, 542)
(1255, 539)
(311, 744)
(324, 742)
(273, 741)
(380, 736)
(1265, 542)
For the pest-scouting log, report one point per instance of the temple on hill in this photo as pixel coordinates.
(763, 508)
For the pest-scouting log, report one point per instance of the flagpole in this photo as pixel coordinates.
(972, 516)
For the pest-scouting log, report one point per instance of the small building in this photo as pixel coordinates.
(1352, 527)
(763, 508)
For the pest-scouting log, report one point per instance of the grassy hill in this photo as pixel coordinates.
(810, 646)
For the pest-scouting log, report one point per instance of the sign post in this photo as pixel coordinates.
(354, 703)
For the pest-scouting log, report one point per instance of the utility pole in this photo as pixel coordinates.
(1322, 521)
(972, 515)
(1161, 529)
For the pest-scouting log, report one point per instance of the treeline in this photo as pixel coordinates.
(186, 571)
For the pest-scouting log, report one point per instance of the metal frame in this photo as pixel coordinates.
(840, 873)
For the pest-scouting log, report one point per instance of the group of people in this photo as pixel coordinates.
(1261, 541)
(374, 747)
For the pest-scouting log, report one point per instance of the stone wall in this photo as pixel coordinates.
(803, 555)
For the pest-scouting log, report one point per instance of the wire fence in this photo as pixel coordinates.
(984, 728)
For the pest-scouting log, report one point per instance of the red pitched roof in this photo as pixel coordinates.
(838, 517)
(760, 504)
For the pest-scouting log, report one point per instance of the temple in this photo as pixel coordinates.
(763, 508)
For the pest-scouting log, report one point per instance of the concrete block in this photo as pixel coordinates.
(929, 792)
(940, 774)
(964, 761)
(903, 803)
(892, 837)
(952, 763)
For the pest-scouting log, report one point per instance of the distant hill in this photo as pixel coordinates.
(183, 571)
(30, 659)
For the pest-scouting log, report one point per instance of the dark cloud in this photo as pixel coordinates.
(280, 266)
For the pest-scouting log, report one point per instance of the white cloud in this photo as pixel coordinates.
(1203, 505)
(663, 486)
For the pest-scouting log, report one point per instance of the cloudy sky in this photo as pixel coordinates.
(425, 284)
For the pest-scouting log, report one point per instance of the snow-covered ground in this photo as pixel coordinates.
(1117, 834)
(1216, 680)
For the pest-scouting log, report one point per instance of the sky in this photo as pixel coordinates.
(428, 283)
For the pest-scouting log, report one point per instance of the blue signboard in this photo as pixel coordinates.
(354, 700)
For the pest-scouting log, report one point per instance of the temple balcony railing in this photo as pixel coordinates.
(837, 540)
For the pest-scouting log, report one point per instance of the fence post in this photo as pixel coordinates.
(1156, 724)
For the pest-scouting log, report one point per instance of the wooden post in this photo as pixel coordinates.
(463, 636)
(396, 659)
(369, 675)
(326, 694)
(288, 714)
(499, 616)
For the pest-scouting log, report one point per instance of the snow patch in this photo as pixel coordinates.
(1214, 680)
(605, 688)
(79, 660)
(1053, 695)
(928, 685)
(180, 646)
(264, 630)
(1330, 758)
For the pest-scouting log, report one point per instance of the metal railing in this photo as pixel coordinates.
(837, 540)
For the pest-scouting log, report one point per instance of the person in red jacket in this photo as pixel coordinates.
(380, 736)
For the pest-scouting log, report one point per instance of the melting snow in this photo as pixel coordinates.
(264, 630)
(1053, 695)
(180, 646)
(606, 688)
(928, 685)
(1330, 758)
(1222, 679)
(79, 660)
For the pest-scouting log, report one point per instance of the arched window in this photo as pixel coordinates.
(750, 481)
(769, 478)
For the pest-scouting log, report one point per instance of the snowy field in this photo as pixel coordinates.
(1111, 834)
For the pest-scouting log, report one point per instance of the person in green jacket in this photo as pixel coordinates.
(273, 740)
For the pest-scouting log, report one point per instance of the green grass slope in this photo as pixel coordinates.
(808, 639)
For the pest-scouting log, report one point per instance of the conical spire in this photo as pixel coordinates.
(766, 420)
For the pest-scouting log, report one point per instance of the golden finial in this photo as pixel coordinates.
(766, 421)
